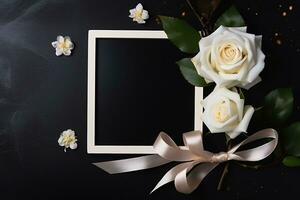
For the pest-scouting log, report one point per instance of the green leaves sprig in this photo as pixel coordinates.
(186, 38)
(276, 111)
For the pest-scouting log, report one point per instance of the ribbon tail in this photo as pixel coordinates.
(188, 183)
(131, 164)
(257, 153)
(170, 175)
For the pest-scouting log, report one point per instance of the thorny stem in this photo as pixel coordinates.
(204, 32)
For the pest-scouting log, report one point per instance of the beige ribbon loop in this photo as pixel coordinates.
(193, 140)
(166, 148)
(197, 162)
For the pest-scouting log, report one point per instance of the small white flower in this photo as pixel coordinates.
(138, 14)
(63, 45)
(68, 139)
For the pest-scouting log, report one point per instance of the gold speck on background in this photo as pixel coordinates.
(278, 41)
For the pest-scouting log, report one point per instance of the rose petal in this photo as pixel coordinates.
(220, 128)
(206, 41)
(247, 86)
(257, 69)
(258, 40)
(243, 125)
(241, 29)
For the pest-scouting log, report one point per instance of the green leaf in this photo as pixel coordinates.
(181, 34)
(291, 161)
(279, 104)
(291, 139)
(190, 73)
(231, 18)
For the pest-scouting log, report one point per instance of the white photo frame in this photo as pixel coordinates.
(92, 148)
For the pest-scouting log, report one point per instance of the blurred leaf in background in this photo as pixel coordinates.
(231, 18)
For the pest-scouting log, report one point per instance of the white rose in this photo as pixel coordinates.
(224, 111)
(230, 57)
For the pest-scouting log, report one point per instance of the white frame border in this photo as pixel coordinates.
(121, 149)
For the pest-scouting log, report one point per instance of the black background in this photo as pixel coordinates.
(140, 93)
(42, 95)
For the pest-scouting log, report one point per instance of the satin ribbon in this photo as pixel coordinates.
(197, 162)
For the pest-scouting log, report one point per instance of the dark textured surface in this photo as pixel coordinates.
(42, 95)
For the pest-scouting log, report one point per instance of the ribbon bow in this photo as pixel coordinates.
(197, 162)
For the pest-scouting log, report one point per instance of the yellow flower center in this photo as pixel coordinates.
(228, 58)
(68, 139)
(62, 45)
(223, 110)
(138, 13)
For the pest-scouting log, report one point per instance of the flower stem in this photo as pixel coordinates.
(204, 31)
(226, 168)
(223, 176)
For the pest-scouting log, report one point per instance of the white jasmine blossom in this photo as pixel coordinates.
(139, 14)
(68, 139)
(63, 45)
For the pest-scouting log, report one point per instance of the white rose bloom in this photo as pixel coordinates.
(139, 14)
(68, 139)
(230, 57)
(224, 111)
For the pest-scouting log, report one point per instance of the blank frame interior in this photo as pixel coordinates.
(136, 90)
